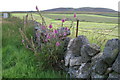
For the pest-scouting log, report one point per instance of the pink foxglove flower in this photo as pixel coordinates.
(55, 31)
(46, 40)
(22, 41)
(63, 20)
(66, 28)
(57, 44)
(62, 38)
(36, 8)
(27, 46)
(60, 34)
(64, 34)
(48, 37)
(74, 15)
(43, 27)
(53, 35)
(50, 26)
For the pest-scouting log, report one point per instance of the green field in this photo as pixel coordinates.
(18, 62)
(92, 27)
(85, 17)
(81, 17)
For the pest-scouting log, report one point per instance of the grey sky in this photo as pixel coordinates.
(28, 5)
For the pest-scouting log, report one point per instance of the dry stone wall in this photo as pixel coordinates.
(85, 60)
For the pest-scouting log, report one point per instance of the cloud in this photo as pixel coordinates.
(23, 5)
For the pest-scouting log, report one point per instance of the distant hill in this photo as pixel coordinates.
(87, 9)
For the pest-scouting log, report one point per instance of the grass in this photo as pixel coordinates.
(88, 27)
(17, 61)
(0, 48)
(82, 17)
(110, 14)
(85, 17)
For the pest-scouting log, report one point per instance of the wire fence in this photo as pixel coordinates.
(100, 31)
(96, 35)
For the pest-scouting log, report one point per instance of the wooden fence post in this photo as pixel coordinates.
(77, 28)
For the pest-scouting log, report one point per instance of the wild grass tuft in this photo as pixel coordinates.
(17, 61)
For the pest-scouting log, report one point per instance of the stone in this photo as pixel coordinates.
(109, 70)
(84, 70)
(109, 55)
(66, 41)
(96, 76)
(73, 72)
(96, 57)
(83, 40)
(75, 61)
(86, 60)
(76, 44)
(88, 51)
(84, 54)
(116, 64)
(76, 67)
(113, 43)
(100, 67)
(68, 56)
(114, 76)
(92, 49)
(110, 51)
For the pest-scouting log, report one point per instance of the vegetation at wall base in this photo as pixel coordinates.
(19, 62)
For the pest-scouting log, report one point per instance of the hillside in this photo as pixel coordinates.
(89, 9)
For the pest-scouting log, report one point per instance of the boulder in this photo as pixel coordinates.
(96, 57)
(84, 70)
(68, 56)
(75, 61)
(92, 49)
(110, 51)
(76, 44)
(76, 67)
(109, 70)
(66, 41)
(114, 76)
(100, 67)
(96, 76)
(83, 40)
(116, 64)
(86, 61)
(84, 54)
(88, 51)
(73, 72)
(113, 43)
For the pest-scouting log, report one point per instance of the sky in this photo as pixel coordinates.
(29, 5)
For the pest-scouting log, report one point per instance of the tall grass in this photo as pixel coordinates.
(0, 47)
(18, 62)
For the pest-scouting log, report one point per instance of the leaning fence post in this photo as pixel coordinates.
(77, 28)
